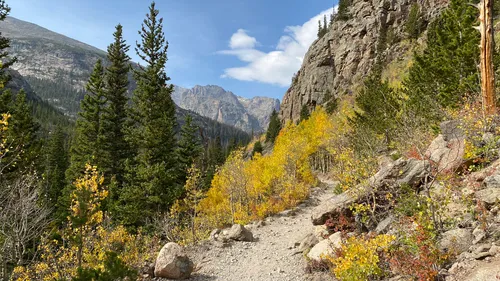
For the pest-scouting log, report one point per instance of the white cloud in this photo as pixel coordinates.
(276, 67)
(241, 40)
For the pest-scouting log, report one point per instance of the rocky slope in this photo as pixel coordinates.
(375, 27)
(218, 104)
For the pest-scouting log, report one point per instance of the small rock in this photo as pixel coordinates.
(326, 247)
(482, 248)
(480, 256)
(384, 225)
(239, 233)
(307, 242)
(492, 181)
(173, 263)
(321, 231)
(215, 234)
(479, 234)
(494, 250)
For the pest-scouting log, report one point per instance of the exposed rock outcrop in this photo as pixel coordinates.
(218, 104)
(354, 46)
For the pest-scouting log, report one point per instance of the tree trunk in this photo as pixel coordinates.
(487, 50)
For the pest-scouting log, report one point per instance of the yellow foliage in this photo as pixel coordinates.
(474, 124)
(87, 240)
(247, 190)
(359, 258)
(183, 226)
(4, 125)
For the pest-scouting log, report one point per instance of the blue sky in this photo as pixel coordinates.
(250, 47)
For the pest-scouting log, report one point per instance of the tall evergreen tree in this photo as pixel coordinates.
(86, 146)
(56, 163)
(5, 60)
(447, 70)
(304, 113)
(379, 105)
(112, 121)
(343, 10)
(151, 183)
(189, 147)
(22, 134)
(414, 23)
(257, 148)
(274, 127)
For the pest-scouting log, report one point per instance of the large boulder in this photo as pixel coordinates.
(239, 233)
(456, 240)
(447, 149)
(326, 247)
(173, 263)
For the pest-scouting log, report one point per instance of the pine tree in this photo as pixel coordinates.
(274, 127)
(447, 70)
(320, 29)
(5, 60)
(151, 181)
(343, 10)
(257, 148)
(414, 24)
(56, 163)
(189, 147)
(23, 133)
(86, 147)
(379, 106)
(304, 113)
(112, 122)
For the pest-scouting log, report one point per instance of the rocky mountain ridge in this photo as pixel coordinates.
(223, 106)
(49, 60)
(336, 63)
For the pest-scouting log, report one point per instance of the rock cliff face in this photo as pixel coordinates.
(339, 61)
(218, 104)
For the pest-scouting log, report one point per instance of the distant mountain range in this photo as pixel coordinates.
(57, 68)
(218, 104)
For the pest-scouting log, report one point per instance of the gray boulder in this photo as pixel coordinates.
(326, 247)
(306, 243)
(384, 226)
(239, 233)
(488, 195)
(456, 240)
(492, 181)
(173, 263)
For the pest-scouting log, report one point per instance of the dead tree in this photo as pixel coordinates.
(23, 219)
(487, 49)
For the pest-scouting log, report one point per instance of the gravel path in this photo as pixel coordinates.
(271, 257)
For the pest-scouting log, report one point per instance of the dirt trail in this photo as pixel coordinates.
(271, 257)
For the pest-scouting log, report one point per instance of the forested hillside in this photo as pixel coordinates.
(382, 163)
